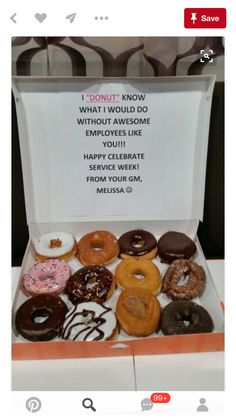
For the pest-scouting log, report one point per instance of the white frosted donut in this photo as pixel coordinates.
(54, 245)
(90, 322)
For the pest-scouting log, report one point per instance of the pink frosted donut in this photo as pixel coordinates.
(48, 277)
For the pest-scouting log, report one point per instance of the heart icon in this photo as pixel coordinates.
(40, 17)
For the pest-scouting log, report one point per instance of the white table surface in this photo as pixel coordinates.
(195, 371)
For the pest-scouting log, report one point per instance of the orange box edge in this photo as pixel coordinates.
(206, 342)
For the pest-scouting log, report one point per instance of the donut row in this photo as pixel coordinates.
(183, 280)
(138, 313)
(102, 247)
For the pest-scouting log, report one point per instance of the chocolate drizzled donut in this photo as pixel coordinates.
(185, 317)
(91, 283)
(137, 243)
(48, 306)
(174, 245)
(84, 324)
(184, 280)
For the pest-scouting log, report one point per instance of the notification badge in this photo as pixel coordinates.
(205, 18)
(160, 397)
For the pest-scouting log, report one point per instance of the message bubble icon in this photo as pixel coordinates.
(146, 404)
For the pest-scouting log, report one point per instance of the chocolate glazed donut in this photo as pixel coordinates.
(48, 306)
(185, 317)
(174, 245)
(91, 283)
(138, 243)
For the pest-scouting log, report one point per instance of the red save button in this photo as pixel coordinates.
(204, 18)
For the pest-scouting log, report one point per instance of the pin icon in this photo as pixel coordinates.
(40, 17)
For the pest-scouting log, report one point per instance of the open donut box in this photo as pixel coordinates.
(158, 187)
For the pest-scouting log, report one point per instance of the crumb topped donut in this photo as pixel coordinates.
(142, 273)
(97, 248)
(89, 322)
(184, 280)
(137, 243)
(138, 312)
(57, 244)
(90, 283)
(174, 245)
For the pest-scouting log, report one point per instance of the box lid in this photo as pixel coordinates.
(113, 148)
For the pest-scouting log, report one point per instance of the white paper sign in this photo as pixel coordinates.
(120, 139)
(120, 147)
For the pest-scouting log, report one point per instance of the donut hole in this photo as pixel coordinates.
(46, 274)
(40, 315)
(187, 322)
(97, 245)
(186, 318)
(183, 280)
(138, 242)
(139, 275)
(88, 317)
(91, 280)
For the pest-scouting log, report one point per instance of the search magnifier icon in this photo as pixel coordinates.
(88, 404)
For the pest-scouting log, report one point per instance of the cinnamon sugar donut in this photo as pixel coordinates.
(141, 273)
(97, 248)
(138, 312)
(190, 274)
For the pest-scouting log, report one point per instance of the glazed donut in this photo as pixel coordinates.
(185, 317)
(174, 245)
(89, 321)
(97, 248)
(49, 306)
(138, 312)
(181, 271)
(58, 245)
(91, 283)
(131, 273)
(137, 243)
(48, 277)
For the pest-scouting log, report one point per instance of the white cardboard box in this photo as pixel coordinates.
(149, 175)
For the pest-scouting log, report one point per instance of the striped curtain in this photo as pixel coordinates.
(117, 56)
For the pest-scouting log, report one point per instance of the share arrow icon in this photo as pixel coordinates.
(71, 17)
